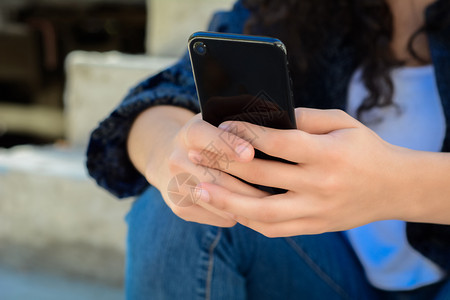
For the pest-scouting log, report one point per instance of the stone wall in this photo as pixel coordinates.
(97, 82)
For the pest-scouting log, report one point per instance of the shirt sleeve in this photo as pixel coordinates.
(107, 158)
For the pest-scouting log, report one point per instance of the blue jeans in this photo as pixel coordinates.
(169, 258)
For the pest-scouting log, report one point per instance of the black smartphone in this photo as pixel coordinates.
(243, 78)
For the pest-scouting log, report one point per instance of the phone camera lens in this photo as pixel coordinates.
(200, 48)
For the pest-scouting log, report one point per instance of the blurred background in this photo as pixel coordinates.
(64, 64)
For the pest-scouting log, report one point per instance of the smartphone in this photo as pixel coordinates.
(243, 78)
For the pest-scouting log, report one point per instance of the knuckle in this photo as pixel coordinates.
(343, 115)
(221, 204)
(331, 185)
(243, 221)
(174, 162)
(229, 224)
(256, 175)
(265, 215)
(338, 112)
(293, 137)
(274, 140)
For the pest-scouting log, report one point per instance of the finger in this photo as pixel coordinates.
(222, 178)
(201, 215)
(257, 171)
(180, 195)
(269, 209)
(202, 136)
(235, 185)
(289, 144)
(303, 226)
(219, 177)
(188, 175)
(208, 207)
(209, 213)
(322, 121)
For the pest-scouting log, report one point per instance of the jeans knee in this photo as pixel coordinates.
(156, 234)
(162, 249)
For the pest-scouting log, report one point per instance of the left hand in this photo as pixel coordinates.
(345, 176)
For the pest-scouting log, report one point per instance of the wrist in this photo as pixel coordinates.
(408, 184)
(424, 189)
(156, 168)
(151, 140)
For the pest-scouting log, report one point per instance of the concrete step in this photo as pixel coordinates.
(53, 217)
(35, 120)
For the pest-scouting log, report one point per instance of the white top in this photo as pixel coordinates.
(417, 122)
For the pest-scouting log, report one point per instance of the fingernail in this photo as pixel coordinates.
(225, 126)
(243, 151)
(201, 195)
(195, 156)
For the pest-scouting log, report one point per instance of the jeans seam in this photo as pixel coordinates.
(211, 264)
(324, 276)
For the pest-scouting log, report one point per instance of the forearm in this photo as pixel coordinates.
(150, 138)
(428, 187)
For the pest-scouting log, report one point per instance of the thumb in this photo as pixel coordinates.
(323, 121)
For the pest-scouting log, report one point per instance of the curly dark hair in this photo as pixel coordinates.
(304, 26)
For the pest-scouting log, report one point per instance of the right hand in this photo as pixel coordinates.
(218, 146)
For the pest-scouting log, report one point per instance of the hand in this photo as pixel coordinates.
(345, 176)
(171, 163)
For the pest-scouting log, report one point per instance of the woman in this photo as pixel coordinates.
(344, 229)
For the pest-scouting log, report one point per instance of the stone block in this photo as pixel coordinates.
(97, 82)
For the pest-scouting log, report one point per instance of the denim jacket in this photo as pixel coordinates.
(323, 87)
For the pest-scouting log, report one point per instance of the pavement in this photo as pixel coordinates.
(24, 285)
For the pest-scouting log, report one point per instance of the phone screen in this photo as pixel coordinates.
(242, 79)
